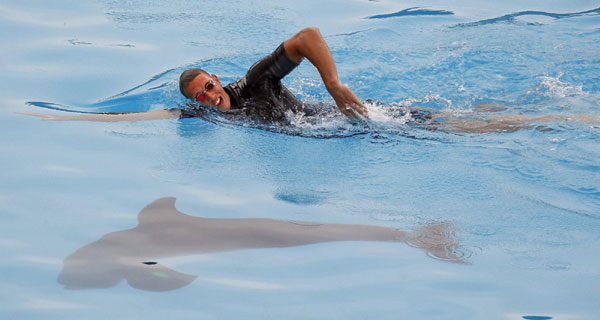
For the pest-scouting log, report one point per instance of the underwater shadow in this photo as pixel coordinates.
(163, 231)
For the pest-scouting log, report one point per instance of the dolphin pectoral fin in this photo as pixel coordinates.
(158, 210)
(156, 277)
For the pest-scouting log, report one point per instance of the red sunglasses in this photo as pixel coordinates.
(201, 95)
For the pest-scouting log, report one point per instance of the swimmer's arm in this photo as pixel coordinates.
(112, 117)
(310, 44)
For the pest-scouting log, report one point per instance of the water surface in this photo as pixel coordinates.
(523, 205)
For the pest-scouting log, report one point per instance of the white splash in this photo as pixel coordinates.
(325, 122)
(560, 89)
(381, 114)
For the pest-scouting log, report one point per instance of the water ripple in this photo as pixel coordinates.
(460, 185)
(483, 230)
(439, 242)
(588, 190)
(506, 164)
(414, 11)
(511, 18)
(530, 172)
(480, 161)
(455, 254)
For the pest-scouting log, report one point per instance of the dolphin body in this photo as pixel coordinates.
(163, 231)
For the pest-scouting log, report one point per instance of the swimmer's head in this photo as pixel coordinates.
(199, 85)
(187, 76)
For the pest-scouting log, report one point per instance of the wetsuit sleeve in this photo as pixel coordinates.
(272, 67)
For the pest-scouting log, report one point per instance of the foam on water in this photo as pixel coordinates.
(560, 89)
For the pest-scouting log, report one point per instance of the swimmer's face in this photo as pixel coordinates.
(214, 95)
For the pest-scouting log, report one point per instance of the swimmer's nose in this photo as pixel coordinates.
(211, 97)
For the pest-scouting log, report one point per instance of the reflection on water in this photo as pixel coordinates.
(163, 231)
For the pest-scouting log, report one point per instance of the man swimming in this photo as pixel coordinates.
(261, 96)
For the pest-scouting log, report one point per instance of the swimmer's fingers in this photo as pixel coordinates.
(347, 102)
(354, 111)
(359, 108)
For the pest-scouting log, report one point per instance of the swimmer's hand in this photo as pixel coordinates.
(347, 101)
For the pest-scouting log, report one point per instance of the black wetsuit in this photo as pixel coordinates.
(260, 95)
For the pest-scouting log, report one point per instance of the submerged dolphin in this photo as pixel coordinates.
(163, 231)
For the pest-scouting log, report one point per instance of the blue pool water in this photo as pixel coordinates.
(524, 205)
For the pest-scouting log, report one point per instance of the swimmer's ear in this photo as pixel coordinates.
(214, 76)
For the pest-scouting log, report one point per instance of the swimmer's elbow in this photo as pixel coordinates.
(300, 45)
(312, 31)
(307, 35)
(310, 34)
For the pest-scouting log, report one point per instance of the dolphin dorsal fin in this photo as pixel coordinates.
(158, 210)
